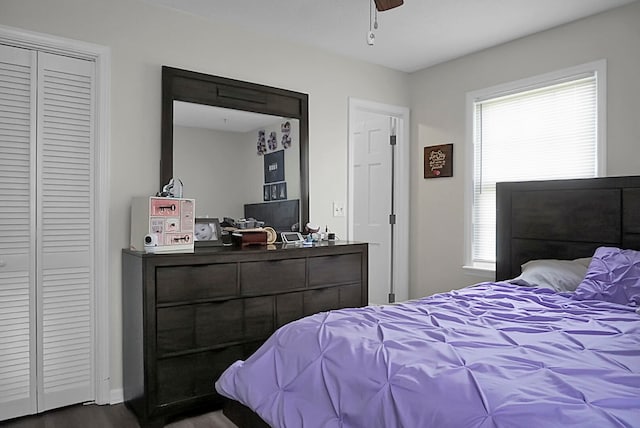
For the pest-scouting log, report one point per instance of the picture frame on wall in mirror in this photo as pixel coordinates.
(274, 166)
(207, 232)
(282, 190)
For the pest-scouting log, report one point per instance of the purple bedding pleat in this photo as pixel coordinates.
(494, 355)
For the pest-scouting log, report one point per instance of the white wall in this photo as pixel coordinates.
(438, 116)
(142, 38)
(211, 165)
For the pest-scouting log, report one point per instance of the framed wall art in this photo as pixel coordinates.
(438, 161)
(281, 190)
(274, 166)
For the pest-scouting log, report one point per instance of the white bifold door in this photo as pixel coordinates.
(46, 231)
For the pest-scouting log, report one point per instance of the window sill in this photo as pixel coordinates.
(485, 272)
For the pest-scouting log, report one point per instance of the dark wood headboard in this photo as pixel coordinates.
(564, 219)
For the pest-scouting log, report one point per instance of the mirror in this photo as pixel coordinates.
(238, 147)
(221, 154)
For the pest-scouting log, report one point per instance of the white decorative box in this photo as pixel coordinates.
(162, 225)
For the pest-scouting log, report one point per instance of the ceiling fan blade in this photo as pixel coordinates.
(383, 5)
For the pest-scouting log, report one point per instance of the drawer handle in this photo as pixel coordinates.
(2, 263)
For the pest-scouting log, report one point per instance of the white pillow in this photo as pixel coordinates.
(558, 275)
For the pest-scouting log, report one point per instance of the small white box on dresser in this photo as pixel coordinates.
(162, 225)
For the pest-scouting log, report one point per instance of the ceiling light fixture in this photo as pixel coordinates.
(381, 5)
(371, 37)
(375, 19)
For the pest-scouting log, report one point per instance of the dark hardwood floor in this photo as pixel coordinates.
(115, 416)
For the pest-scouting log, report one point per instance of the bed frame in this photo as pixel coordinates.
(564, 219)
(561, 219)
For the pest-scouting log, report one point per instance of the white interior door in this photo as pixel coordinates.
(65, 230)
(369, 124)
(372, 198)
(17, 227)
(46, 224)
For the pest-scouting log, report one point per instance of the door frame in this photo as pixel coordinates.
(401, 203)
(101, 55)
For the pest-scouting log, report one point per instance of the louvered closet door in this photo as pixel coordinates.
(17, 238)
(65, 224)
(46, 224)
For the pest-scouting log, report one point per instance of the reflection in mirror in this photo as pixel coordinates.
(219, 154)
(220, 166)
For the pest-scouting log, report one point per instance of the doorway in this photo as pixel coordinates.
(378, 194)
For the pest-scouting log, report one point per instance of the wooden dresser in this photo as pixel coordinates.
(187, 317)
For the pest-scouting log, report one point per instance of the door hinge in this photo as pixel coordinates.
(392, 140)
(392, 219)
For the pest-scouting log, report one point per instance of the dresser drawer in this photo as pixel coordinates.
(258, 317)
(184, 283)
(330, 298)
(247, 319)
(335, 269)
(320, 300)
(182, 328)
(289, 307)
(188, 327)
(189, 376)
(272, 276)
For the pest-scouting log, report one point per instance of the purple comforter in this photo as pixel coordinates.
(493, 355)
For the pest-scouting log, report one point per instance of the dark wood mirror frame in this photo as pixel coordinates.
(194, 87)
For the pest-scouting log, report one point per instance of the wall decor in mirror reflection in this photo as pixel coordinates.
(275, 192)
(274, 167)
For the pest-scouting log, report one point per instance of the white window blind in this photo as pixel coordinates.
(541, 134)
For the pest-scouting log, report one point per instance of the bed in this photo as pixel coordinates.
(549, 346)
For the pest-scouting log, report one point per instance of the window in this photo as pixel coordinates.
(544, 128)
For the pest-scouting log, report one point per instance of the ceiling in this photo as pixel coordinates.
(219, 118)
(419, 34)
